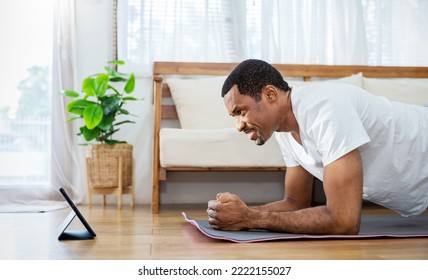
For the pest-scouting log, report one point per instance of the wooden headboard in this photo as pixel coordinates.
(164, 111)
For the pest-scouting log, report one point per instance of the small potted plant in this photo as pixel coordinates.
(109, 161)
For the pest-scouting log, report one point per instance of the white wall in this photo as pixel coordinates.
(93, 50)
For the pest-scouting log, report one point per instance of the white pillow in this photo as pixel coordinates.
(355, 79)
(199, 103)
(411, 91)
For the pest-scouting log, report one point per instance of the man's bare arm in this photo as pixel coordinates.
(341, 214)
(297, 192)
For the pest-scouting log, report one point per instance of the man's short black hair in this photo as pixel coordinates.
(251, 76)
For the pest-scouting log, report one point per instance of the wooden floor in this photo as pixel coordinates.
(136, 234)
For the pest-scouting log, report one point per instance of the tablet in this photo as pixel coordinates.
(65, 234)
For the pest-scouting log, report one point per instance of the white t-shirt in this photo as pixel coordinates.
(392, 138)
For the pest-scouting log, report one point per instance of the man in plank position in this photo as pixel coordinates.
(359, 145)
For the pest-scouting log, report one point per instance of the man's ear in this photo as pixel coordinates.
(271, 93)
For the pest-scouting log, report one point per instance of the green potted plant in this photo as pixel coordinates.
(109, 161)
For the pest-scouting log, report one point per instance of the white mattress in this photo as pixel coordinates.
(224, 147)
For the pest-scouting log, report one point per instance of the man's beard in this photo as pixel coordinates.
(260, 139)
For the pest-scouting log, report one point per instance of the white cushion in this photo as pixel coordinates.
(411, 91)
(215, 148)
(199, 104)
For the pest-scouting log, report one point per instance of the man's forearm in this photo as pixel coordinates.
(315, 220)
(279, 206)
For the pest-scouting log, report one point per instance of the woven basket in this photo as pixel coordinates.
(103, 164)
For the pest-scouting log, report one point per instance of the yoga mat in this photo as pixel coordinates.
(372, 226)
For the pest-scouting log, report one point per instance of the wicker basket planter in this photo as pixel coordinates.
(109, 170)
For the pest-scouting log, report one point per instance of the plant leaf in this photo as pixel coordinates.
(112, 141)
(109, 71)
(123, 111)
(107, 122)
(70, 119)
(130, 84)
(93, 115)
(108, 134)
(111, 104)
(78, 106)
(115, 90)
(70, 93)
(123, 122)
(101, 84)
(116, 62)
(118, 79)
(90, 134)
(88, 86)
(129, 98)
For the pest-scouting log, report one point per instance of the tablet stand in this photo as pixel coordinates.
(65, 234)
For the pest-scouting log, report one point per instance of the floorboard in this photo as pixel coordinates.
(136, 234)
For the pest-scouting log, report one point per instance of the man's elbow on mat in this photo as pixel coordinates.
(352, 229)
(348, 227)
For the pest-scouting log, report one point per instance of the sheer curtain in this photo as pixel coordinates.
(67, 156)
(303, 32)
(366, 32)
(396, 32)
(173, 30)
(62, 154)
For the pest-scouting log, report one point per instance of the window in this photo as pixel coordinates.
(25, 109)
(176, 30)
(366, 32)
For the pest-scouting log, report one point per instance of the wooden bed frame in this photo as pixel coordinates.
(164, 111)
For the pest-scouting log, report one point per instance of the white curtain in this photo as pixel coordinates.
(173, 30)
(396, 32)
(312, 32)
(67, 157)
(63, 150)
(366, 32)
(303, 32)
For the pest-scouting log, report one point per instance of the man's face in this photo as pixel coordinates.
(252, 118)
